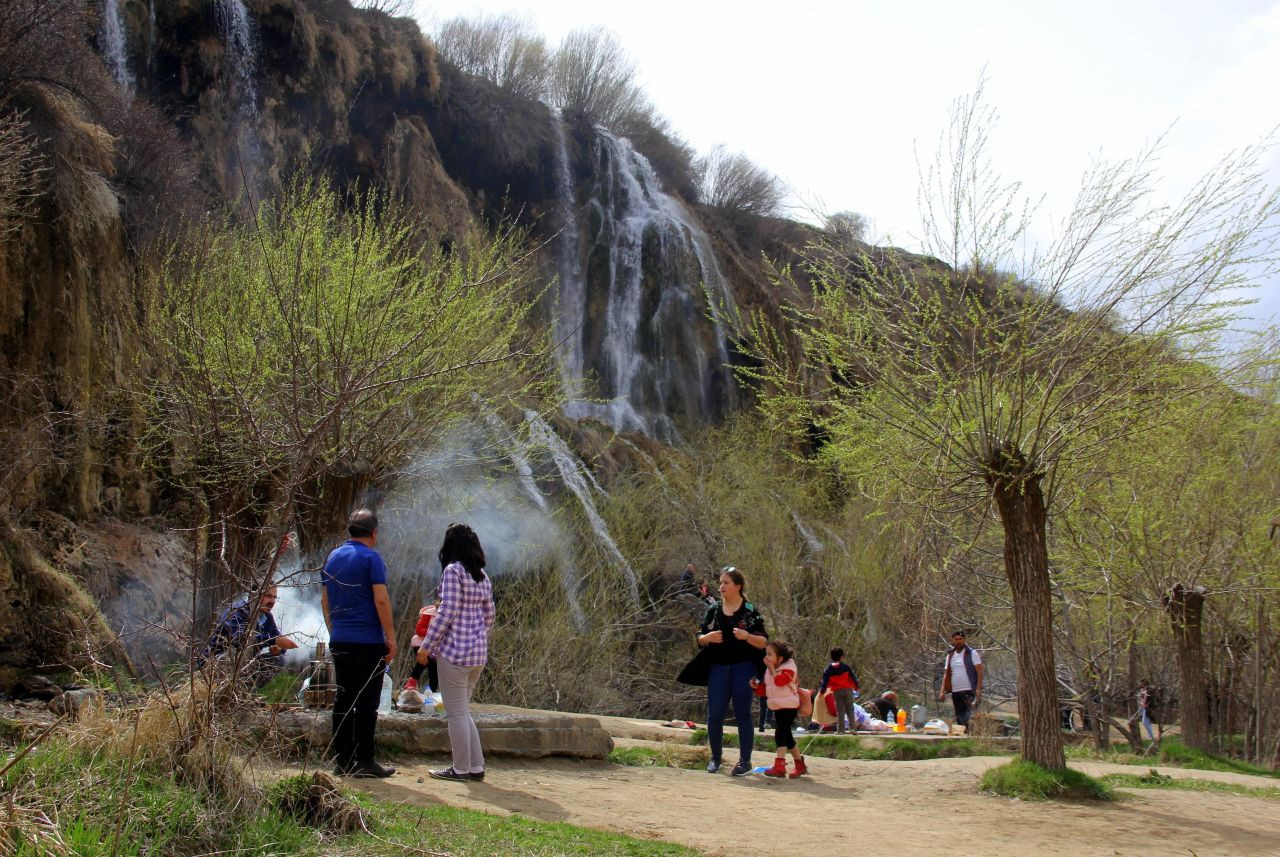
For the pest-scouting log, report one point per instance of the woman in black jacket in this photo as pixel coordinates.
(734, 634)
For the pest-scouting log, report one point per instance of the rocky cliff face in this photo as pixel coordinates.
(218, 101)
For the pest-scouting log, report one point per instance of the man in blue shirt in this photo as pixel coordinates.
(357, 611)
(267, 645)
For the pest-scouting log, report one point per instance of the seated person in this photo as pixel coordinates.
(867, 723)
(885, 706)
(267, 644)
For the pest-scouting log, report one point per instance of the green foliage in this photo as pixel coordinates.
(1153, 779)
(1029, 781)
(851, 747)
(317, 338)
(673, 756)
(1174, 752)
(283, 688)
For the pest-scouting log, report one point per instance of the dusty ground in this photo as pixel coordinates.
(900, 808)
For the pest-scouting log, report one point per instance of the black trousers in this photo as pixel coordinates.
(963, 703)
(785, 718)
(433, 677)
(357, 671)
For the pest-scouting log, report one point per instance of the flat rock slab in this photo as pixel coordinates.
(503, 732)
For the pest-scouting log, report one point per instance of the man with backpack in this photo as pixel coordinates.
(962, 678)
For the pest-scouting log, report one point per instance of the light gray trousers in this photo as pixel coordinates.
(457, 683)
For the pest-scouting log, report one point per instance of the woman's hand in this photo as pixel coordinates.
(754, 683)
(422, 657)
(712, 637)
(740, 633)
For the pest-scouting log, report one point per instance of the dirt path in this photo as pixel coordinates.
(902, 808)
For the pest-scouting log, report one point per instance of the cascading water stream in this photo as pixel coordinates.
(111, 39)
(242, 62)
(660, 348)
(579, 480)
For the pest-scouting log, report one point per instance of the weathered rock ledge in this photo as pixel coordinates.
(503, 732)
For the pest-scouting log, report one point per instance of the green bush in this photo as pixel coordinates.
(1028, 781)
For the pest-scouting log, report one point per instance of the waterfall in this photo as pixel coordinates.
(242, 61)
(810, 540)
(579, 480)
(111, 39)
(646, 319)
(517, 453)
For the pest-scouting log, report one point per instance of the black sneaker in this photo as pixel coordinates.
(713, 767)
(478, 776)
(370, 770)
(449, 774)
(742, 768)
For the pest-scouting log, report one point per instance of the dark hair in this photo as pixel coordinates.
(959, 634)
(735, 576)
(837, 654)
(362, 523)
(462, 545)
(782, 649)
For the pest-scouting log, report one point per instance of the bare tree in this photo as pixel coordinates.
(395, 8)
(504, 49)
(960, 388)
(730, 181)
(594, 75)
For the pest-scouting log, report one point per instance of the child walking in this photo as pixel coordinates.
(781, 691)
(842, 681)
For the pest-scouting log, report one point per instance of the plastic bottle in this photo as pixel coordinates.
(384, 702)
(902, 721)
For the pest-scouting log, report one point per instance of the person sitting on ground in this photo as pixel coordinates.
(266, 646)
(843, 682)
(885, 705)
(864, 722)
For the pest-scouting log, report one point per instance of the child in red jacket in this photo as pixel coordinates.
(425, 615)
(781, 690)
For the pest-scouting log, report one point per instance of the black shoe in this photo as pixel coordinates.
(451, 775)
(478, 776)
(370, 770)
(741, 769)
(713, 767)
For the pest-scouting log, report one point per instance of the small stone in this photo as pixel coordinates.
(73, 702)
(421, 780)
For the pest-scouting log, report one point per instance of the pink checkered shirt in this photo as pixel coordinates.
(460, 631)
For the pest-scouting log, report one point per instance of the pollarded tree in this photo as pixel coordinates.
(308, 352)
(956, 386)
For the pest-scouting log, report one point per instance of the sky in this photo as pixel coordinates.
(837, 98)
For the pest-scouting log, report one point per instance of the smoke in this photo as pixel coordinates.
(297, 610)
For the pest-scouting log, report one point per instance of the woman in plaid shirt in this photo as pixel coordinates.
(459, 639)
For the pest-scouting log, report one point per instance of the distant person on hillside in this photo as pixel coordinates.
(459, 638)
(885, 706)
(362, 641)
(962, 678)
(265, 647)
(1144, 708)
(689, 580)
(843, 683)
(733, 630)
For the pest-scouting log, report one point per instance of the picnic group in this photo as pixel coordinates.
(737, 661)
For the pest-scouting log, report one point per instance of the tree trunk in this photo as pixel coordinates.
(1026, 564)
(1185, 606)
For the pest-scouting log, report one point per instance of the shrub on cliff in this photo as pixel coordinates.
(503, 49)
(314, 347)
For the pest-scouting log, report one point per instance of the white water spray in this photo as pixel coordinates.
(112, 40)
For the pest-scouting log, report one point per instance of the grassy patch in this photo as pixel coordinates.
(283, 688)
(106, 805)
(467, 832)
(886, 749)
(1153, 779)
(1174, 753)
(1028, 781)
(672, 756)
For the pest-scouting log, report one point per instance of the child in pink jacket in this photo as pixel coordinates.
(781, 690)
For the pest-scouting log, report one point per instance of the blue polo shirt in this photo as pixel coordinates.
(349, 575)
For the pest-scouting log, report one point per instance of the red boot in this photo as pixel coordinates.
(779, 768)
(801, 768)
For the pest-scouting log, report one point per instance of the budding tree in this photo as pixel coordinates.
(956, 386)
